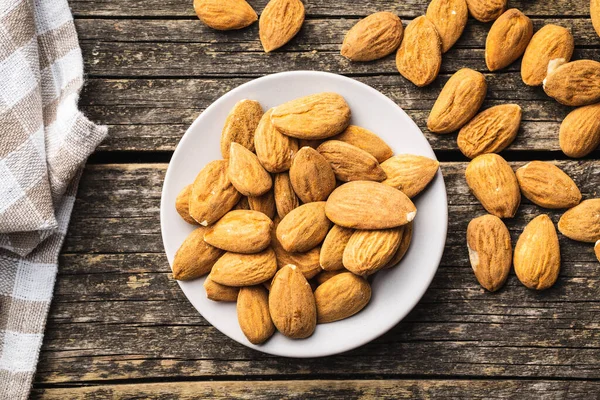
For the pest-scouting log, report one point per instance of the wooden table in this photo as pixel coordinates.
(121, 327)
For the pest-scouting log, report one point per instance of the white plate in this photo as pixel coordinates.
(395, 291)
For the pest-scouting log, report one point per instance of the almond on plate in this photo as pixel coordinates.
(332, 250)
(225, 15)
(307, 262)
(450, 18)
(304, 227)
(324, 276)
(311, 176)
(491, 131)
(369, 251)
(234, 269)
(507, 40)
(285, 197)
(547, 185)
(194, 257)
(576, 83)
(240, 125)
(246, 173)
(274, 150)
(292, 304)
(419, 57)
(552, 42)
(279, 22)
(494, 184)
(182, 205)
(241, 231)
(486, 10)
(458, 102)
(373, 37)
(406, 232)
(366, 140)
(490, 251)
(409, 173)
(350, 163)
(253, 314)
(582, 222)
(537, 254)
(317, 116)
(217, 292)
(264, 204)
(369, 205)
(580, 131)
(341, 297)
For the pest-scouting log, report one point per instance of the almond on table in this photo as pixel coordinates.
(450, 18)
(582, 222)
(576, 83)
(373, 37)
(486, 10)
(279, 22)
(552, 42)
(580, 131)
(225, 15)
(547, 185)
(507, 40)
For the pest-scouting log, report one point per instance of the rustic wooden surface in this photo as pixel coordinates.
(119, 326)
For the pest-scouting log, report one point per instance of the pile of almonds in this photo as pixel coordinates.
(300, 212)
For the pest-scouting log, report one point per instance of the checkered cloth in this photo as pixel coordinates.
(44, 143)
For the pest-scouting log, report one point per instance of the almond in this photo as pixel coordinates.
(458, 102)
(549, 43)
(376, 36)
(341, 297)
(234, 269)
(317, 116)
(409, 173)
(194, 257)
(279, 22)
(507, 40)
(217, 292)
(241, 231)
(253, 314)
(332, 251)
(537, 254)
(595, 14)
(597, 249)
(366, 140)
(406, 232)
(350, 163)
(490, 251)
(576, 83)
(275, 150)
(311, 176)
(547, 185)
(304, 227)
(369, 251)
(369, 205)
(246, 173)
(292, 304)
(582, 222)
(285, 198)
(486, 10)
(491, 131)
(450, 18)
(580, 131)
(324, 276)
(494, 184)
(213, 195)
(225, 15)
(264, 204)
(307, 262)
(419, 57)
(182, 204)
(240, 125)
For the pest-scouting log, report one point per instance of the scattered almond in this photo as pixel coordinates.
(547, 185)
(194, 258)
(376, 36)
(341, 297)
(234, 269)
(240, 125)
(366, 140)
(507, 40)
(279, 22)
(304, 227)
(582, 222)
(549, 43)
(285, 197)
(274, 150)
(246, 173)
(333, 247)
(450, 18)
(369, 251)
(419, 57)
(225, 15)
(252, 232)
(253, 314)
(350, 163)
(182, 204)
(217, 292)
(409, 173)
(576, 83)
(486, 10)
(580, 131)
(311, 176)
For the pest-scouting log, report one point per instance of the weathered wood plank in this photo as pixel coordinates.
(326, 389)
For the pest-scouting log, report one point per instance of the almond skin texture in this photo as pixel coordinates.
(491, 131)
(450, 18)
(241, 231)
(490, 251)
(537, 254)
(243, 204)
(507, 40)
(285, 197)
(406, 231)
(597, 250)
(366, 140)
(580, 131)
(350, 163)
(582, 222)
(376, 36)
(303, 228)
(240, 125)
(217, 292)
(307, 262)
(317, 116)
(576, 83)
(194, 257)
(246, 173)
(213, 195)
(549, 43)
(369, 205)
(264, 204)
(419, 57)
(182, 205)
(253, 314)
(332, 251)
(595, 14)
(279, 22)
(494, 184)
(292, 304)
(341, 297)
(234, 269)
(311, 176)
(225, 15)
(409, 173)
(369, 251)
(458, 102)
(274, 150)
(547, 185)
(486, 10)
